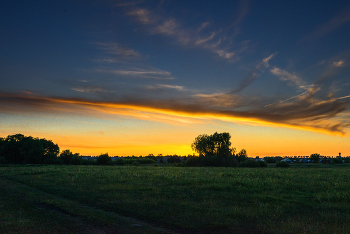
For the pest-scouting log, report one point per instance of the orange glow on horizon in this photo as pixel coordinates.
(186, 117)
(93, 128)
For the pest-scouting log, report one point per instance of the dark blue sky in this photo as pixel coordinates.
(278, 62)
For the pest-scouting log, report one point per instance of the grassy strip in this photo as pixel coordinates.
(24, 209)
(204, 200)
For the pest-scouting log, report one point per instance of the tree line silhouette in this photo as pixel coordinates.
(213, 150)
(21, 149)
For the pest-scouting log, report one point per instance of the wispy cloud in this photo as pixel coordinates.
(219, 100)
(340, 63)
(285, 100)
(308, 111)
(92, 90)
(201, 41)
(336, 22)
(333, 67)
(164, 86)
(170, 27)
(203, 26)
(303, 112)
(266, 60)
(135, 67)
(292, 79)
(85, 81)
(139, 73)
(248, 80)
(253, 75)
(342, 97)
(243, 9)
(116, 49)
(108, 60)
(143, 16)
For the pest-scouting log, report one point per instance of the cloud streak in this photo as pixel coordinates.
(246, 82)
(336, 22)
(170, 27)
(92, 90)
(127, 69)
(164, 86)
(116, 49)
(292, 79)
(139, 73)
(253, 75)
(339, 63)
(304, 112)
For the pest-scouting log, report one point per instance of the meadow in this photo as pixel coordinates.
(157, 199)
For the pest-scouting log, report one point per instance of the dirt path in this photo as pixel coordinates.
(41, 210)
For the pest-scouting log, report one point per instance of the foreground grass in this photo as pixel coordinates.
(25, 209)
(200, 200)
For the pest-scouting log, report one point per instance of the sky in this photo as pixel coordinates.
(147, 77)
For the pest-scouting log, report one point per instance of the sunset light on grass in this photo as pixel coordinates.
(146, 77)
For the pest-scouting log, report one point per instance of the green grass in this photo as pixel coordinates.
(203, 200)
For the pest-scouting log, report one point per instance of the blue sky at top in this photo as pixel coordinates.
(278, 62)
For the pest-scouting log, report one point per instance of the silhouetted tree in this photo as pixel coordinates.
(242, 155)
(21, 149)
(103, 159)
(11, 148)
(217, 144)
(202, 145)
(76, 160)
(270, 160)
(315, 157)
(66, 156)
(174, 159)
(214, 150)
(32, 151)
(51, 150)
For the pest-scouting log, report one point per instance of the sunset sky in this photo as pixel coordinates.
(142, 77)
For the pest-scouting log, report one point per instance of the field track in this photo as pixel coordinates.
(43, 206)
(151, 199)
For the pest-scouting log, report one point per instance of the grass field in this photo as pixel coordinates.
(149, 199)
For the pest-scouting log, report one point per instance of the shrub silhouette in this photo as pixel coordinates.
(249, 163)
(52, 159)
(174, 159)
(87, 161)
(242, 155)
(119, 161)
(210, 161)
(270, 160)
(315, 157)
(337, 160)
(135, 163)
(66, 156)
(76, 160)
(192, 161)
(282, 164)
(146, 160)
(262, 164)
(103, 159)
(138, 161)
